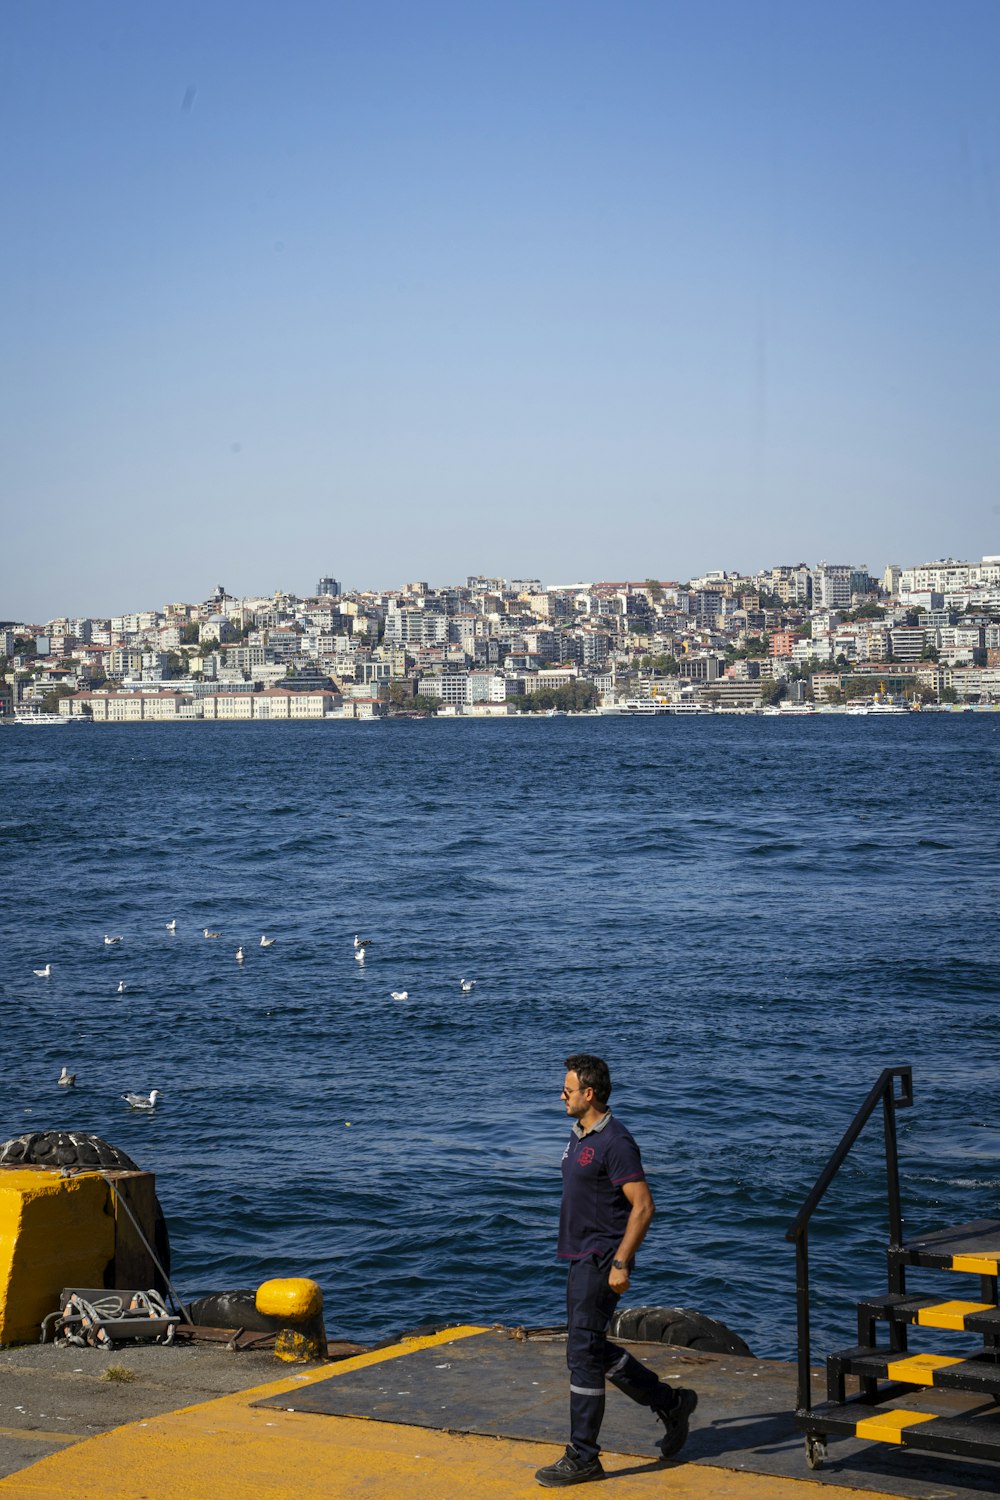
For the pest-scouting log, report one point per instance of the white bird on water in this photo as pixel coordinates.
(360, 942)
(240, 955)
(206, 932)
(45, 973)
(172, 926)
(121, 987)
(142, 1101)
(66, 1079)
(400, 994)
(359, 955)
(111, 942)
(468, 985)
(266, 942)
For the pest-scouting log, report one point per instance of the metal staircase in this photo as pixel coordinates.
(880, 1369)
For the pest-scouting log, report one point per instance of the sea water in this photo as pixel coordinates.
(748, 917)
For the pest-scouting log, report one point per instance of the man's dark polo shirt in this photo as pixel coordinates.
(594, 1209)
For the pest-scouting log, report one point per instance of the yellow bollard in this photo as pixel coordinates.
(298, 1302)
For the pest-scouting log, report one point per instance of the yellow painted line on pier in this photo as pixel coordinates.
(42, 1436)
(229, 1448)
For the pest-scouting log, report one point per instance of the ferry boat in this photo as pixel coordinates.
(661, 706)
(35, 716)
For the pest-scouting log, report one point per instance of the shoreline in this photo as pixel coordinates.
(657, 711)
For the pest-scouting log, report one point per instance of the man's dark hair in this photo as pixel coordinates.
(593, 1073)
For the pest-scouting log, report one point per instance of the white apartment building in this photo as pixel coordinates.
(416, 627)
(486, 687)
(821, 648)
(449, 686)
(959, 637)
(831, 585)
(977, 682)
(908, 641)
(947, 574)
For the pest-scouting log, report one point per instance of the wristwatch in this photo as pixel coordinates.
(620, 1265)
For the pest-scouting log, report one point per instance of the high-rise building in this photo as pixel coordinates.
(328, 586)
(831, 585)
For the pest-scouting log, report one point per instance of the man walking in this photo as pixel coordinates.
(606, 1210)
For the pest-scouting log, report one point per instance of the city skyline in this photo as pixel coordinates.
(328, 584)
(424, 290)
(783, 640)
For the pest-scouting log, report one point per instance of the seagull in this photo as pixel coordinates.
(266, 942)
(66, 1079)
(205, 932)
(44, 973)
(111, 942)
(400, 994)
(142, 1101)
(240, 955)
(172, 926)
(360, 942)
(121, 987)
(359, 955)
(468, 985)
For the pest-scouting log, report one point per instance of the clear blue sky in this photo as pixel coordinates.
(397, 289)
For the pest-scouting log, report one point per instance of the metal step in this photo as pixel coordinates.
(932, 1312)
(969, 1436)
(979, 1373)
(974, 1248)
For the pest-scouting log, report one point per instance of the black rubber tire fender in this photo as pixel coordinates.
(680, 1326)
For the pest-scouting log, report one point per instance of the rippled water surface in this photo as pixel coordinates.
(748, 917)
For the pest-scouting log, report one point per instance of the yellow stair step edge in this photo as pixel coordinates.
(888, 1426)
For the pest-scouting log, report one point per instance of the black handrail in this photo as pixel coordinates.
(798, 1230)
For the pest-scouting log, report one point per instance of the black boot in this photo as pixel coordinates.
(675, 1419)
(570, 1470)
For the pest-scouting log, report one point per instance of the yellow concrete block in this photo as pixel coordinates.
(55, 1231)
(293, 1297)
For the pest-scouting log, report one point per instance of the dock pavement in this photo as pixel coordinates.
(463, 1411)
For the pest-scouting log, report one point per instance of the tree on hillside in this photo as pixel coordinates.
(50, 698)
(571, 697)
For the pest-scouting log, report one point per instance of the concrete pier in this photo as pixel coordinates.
(464, 1411)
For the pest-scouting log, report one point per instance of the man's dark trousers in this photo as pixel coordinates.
(591, 1356)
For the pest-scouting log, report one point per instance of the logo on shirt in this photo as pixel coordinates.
(586, 1156)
